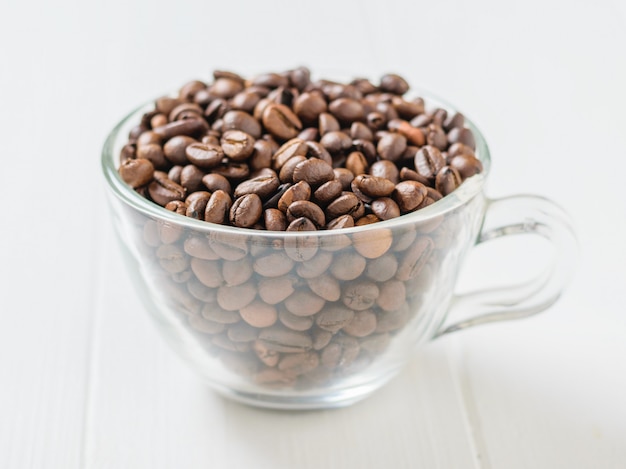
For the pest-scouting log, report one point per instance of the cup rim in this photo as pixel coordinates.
(125, 193)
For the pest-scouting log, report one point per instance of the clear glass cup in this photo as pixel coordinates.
(304, 320)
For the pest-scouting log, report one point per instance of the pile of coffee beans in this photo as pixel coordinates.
(282, 152)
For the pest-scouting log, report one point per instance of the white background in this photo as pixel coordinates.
(85, 382)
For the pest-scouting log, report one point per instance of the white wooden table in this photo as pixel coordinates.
(85, 382)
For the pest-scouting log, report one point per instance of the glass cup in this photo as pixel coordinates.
(304, 320)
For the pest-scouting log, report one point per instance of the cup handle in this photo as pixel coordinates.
(515, 215)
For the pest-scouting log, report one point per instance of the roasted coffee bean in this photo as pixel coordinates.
(233, 171)
(203, 325)
(137, 173)
(154, 154)
(436, 137)
(190, 127)
(299, 191)
(214, 182)
(174, 173)
(281, 122)
(467, 166)
(281, 339)
(345, 204)
(385, 208)
(162, 190)
(263, 186)
(165, 104)
(376, 120)
(407, 174)
(343, 221)
(392, 295)
(246, 210)
(363, 324)
(409, 195)
(236, 272)
(347, 110)
(199, 247)
(203, 155)
(286, 171)
(360, 295)
(314, 172)
(308, 106)
(348, 266)
(274, 290)
(236, 297)
(259, 314)
(299, 363)
(304, 303)
(267, 356)
(336, 141)
(340, 352)
(315, 266)
(293, 322)
(327, 123)
(301, 224)
(291, 148)
(196, 204)
(357, 163)
(385, 169)
(391, 146)
(462, 135)
(273, 265)
(415, 258)
(392, 83)
(189, 89)
(316, 150)
(175, 149)
(242, 332)
(359, 130)
(172, 258)
(367, 220)
(214, 313)
(373, 243)
(237, 145)
(191, 178)
(177, 206)
(344, 176)
(447, 180)
(274, 220)
(373, 186)
(307, 209)
(239, 120)
(413, 135)
(180, 112)
(309, 134)
(327, 192)
(218, 207)
(428, 161)
(326, 287)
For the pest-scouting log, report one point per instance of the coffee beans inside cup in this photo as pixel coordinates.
(280, 152)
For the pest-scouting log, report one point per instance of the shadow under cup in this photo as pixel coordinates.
(295, 319)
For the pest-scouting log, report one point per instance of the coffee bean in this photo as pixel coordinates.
(203, 325)
(240, 120)
(262, 186)
(246, 211)
(218, 207)
(315, 266)
(214, 313)
(232, 298)
(360, 130)
(327, 123)
(214, 182)
(301, 224)
(348, 266)
(392, 295)
(336, 141)
(203, 155)
(276, 289)
(208, 272)
(314, 172)
(308, 106)
(199, 247)
(407, 174)
(281, 339)
(347, 110)
(344, 221)
(172, 258)
(391, 146)
(366, 147)
(162, 190)
(299, 191)
(385, 208)
(344, 176)
(307, 209)
(274, 220)
(341, 351)
(304, 303)
(181, 112)
(360, 295)
(393, 83)
(428, 161)
(299, 363)
(259, 314)
(309, 134)
(267, 356)
(327, 192)
(196, 204)
(415, 258)
(236, 272)
(191, 178)
(345, 204)
(357, 163)
(276, 264)
(281, 122)
(373, 186)
(293, 322)
(136, 173)
(189, 127)
(457, 149)
(291, 148)
(408, 195)
(286, 171)
(233, 171)
(242, 332)
(447, 180)
(372, 244)
(363, 324)
(462, 135)
(436, 137)
(189, 89)
(237, 145)
(467, 166)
